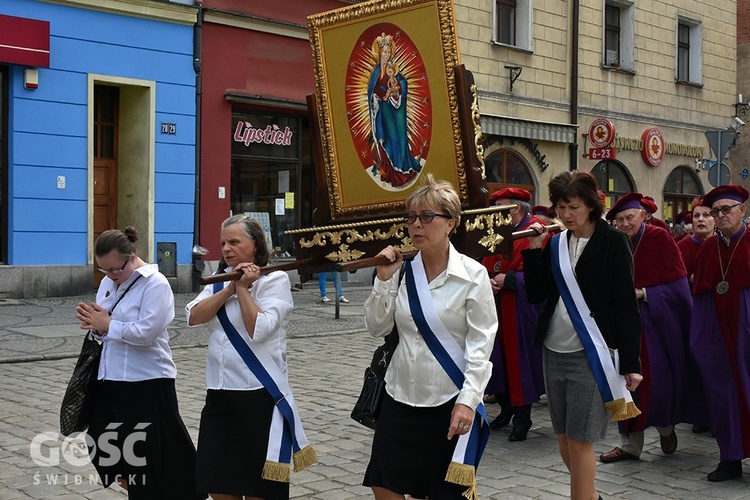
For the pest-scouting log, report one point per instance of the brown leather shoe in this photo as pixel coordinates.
(668, 443)
(616, 455)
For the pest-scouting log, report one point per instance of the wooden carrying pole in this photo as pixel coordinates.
(289, 266)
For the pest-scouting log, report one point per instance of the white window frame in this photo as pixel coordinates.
(695, 54)
(524, 23)
(627, 34)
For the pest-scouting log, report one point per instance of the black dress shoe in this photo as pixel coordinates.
(517, 435)
(726, 470)
(502, 420)
(668, 443)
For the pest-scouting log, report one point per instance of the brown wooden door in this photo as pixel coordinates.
(106, 107)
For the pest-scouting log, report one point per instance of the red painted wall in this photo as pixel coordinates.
(252, 63)
(290, 11)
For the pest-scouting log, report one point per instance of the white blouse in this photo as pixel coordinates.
(465, 304)
(136, 347)
(225, 369)
(561, 336)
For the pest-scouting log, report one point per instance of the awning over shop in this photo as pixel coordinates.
(24, 41)
(237, 96)
(540, 131)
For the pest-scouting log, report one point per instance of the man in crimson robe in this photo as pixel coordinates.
(517, 380)
(665, 302)
(720, 327)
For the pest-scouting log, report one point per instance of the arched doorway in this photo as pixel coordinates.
(614, 180)
(506, 168)
(681, 187)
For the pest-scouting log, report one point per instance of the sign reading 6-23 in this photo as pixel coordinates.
(602, 153)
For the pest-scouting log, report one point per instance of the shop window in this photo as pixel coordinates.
(267, 164)
(613, 179)
(512, 23)
(3, 164)
(689, 55)
(681, 187)
(505, 168)
(618, 35)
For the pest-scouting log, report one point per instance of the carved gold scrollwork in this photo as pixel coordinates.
(344, 254)
(350, 234)
(488, 222)
(478, 138)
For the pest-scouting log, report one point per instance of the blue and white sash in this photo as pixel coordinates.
(617, 399)
(450, 355)
(286, 434)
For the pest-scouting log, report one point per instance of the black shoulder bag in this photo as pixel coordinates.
(367, 408)
(75, 410)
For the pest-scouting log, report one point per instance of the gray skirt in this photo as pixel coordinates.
(575, 404)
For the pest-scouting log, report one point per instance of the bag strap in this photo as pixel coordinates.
(123, 294)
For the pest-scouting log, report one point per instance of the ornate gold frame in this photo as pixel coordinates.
(349, 192)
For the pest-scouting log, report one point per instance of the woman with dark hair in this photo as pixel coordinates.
(136, 403)
(432, 426)
(249, 426)
(585, 274)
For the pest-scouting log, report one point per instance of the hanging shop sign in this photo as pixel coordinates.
(601, 133)
(653, 147)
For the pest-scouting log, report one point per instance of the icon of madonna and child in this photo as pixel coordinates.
(388, 106)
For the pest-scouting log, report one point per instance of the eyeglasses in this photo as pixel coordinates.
(113, 271)
(725, 209)
(424, 217)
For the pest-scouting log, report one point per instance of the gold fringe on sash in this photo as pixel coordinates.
(620, 410)
(304, 458)
(276, 471)
(465, 475)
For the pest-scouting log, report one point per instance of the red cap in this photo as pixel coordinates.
(648, 203)
(680, 218)
(726, 192)
(630, 200)
(697, 202)
(512, 194)
(542, 210)
(688, 218)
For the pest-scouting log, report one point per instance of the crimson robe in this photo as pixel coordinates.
(516, 364)
(664, 396)
(720, 338)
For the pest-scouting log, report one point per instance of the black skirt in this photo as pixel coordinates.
(233, 442)
(146, 444)
(411, 452)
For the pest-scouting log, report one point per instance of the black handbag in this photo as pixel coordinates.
(75, 409)
(367, 408)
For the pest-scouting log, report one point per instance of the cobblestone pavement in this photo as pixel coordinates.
(39, 339)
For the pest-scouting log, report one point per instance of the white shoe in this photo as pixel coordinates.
(325, 300)
(343, 300)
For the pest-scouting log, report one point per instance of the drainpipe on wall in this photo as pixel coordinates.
(197, 251)
(573, 146)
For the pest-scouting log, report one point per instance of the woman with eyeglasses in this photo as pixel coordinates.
(442, 304)
(136, 436)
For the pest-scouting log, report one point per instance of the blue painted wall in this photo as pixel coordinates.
(47, 134)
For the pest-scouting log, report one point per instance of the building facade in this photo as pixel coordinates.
(97, 131)
(651, 77)
(256, 153)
